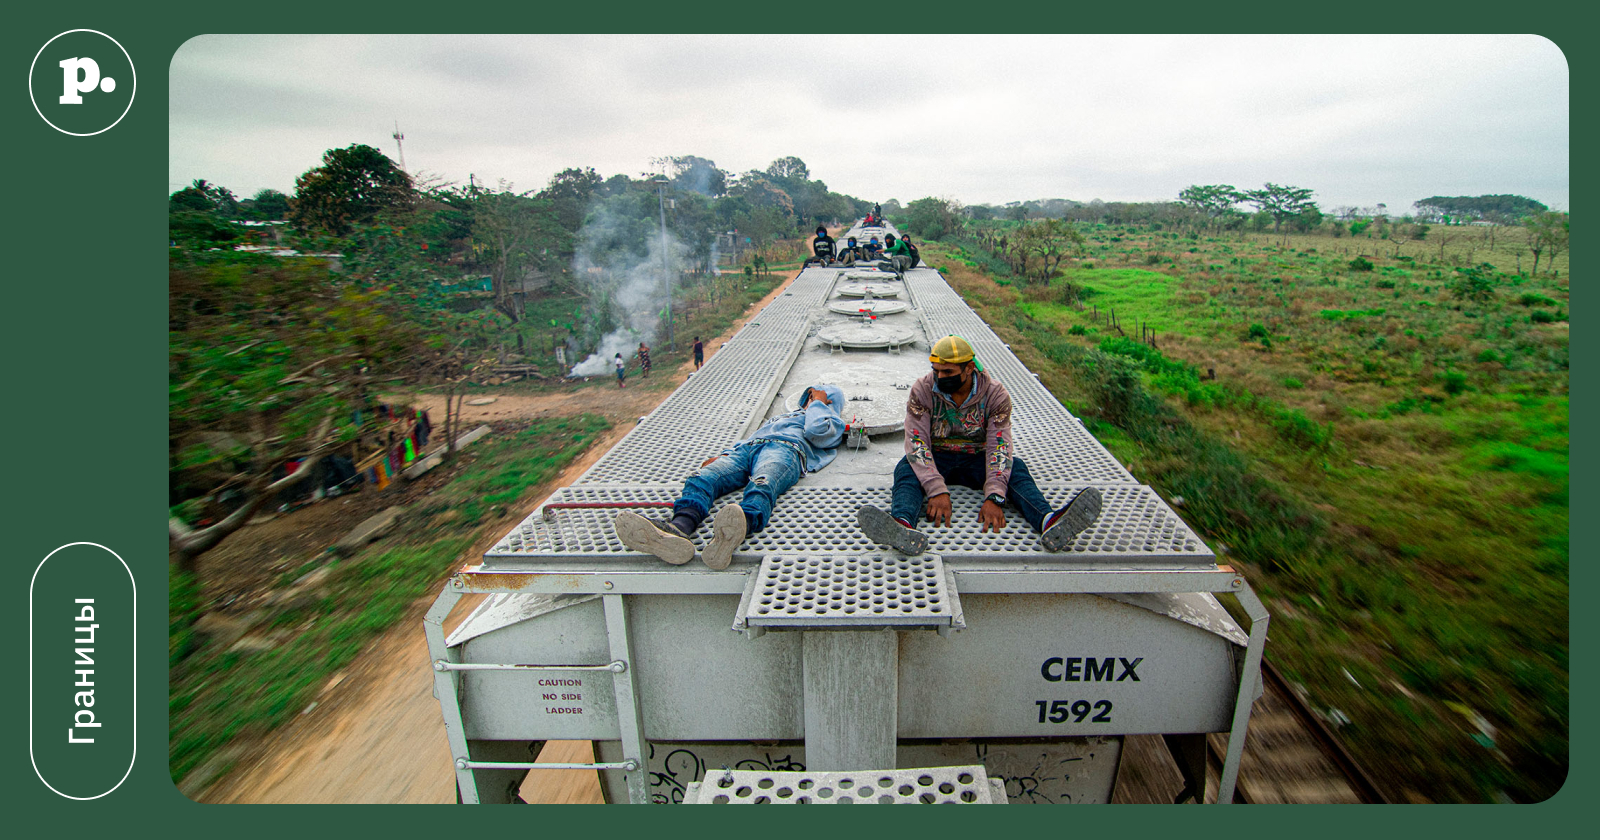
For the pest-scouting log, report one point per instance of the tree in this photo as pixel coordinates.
(1281, 203)
(1052, 241)
(200, 216)
(1215, 201)
(352, 186)
(934, 218)
(203, 197)
(1547, 231)
(270, 205)
(512, 233)
(697, 175)
(570, 192)
(788, 169)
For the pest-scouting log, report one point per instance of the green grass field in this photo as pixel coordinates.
(1383, 448)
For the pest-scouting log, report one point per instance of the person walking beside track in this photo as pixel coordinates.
(622, 372)
(765, 464)
(958, 431)
(699, 353)
(644, 360)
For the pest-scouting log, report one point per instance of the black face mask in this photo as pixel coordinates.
(949, 384)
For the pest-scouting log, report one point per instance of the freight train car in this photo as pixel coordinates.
(820, 667)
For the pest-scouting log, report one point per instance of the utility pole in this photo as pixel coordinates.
(398, 144)
(666, 263)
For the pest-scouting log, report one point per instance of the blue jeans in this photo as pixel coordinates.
(763, 469)
(967, 469)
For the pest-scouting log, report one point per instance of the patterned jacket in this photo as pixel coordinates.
(933, 422)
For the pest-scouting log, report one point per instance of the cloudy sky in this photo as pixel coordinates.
(983, 119)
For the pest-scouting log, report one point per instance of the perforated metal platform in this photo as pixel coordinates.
(883, 589)
(727, 398)
(1135, 528)
(969, 785)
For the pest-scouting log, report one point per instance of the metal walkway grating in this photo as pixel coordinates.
(920, 786)
(807, 591)
(1135, 527)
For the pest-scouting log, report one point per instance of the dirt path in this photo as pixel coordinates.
(374, 734)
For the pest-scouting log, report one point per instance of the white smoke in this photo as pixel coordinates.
(638, 287)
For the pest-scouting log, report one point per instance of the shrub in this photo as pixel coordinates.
(1258, 331)
(1540, 316)
(1534, 299)
(1077, 329)
(1454, 382)
(1293, 384)
(1361, 264)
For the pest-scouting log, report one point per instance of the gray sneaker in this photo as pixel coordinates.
(882, 529)
(727, 532)
(1071, 520)
(652, 536)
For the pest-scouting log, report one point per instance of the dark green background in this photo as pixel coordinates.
(84, 344)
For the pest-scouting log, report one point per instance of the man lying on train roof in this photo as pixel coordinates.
(765, 465)
(958, 431)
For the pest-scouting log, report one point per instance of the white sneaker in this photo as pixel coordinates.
(649, 536)
(727, 533)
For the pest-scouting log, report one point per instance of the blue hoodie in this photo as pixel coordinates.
(817, 428)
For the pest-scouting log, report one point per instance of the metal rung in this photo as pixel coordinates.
(920, 786)
(616, 667)
(467, 764)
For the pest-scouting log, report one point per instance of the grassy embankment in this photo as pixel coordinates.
(216, 694)
(1387, 461)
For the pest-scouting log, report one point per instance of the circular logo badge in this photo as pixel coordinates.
(82, 82)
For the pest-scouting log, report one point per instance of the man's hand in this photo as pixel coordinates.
(819, 395)
(939, 510)
(707, 462)
(991, 517)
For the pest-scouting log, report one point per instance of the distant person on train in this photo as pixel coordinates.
(958, 431)
(765, 465)
(850, 252)
(916, 256)
(877, 210)
(822, 247)
(898, 254)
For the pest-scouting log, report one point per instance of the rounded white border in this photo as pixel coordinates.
(135, 584)
(47, 121)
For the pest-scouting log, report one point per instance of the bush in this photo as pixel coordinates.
(1540, 316)
(1454, 382)
(1534, 299)
(1361, 264)
(1077, 329)
(1293, 384)
(1257, 331)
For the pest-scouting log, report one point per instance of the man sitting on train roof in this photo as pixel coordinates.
(850, 252)
(874, 249)
(958, 431)
(822, 247)
(897, 253)
(765, 465)
(916, 256)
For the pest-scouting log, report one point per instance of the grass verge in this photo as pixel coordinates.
(217, 693)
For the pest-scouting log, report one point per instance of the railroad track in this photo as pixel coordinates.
(1291, 756)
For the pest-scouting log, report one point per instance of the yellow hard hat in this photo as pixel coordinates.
(951, 350)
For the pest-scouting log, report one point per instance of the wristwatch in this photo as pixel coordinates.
(996, 498)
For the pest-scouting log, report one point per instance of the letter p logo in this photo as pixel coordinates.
(81, 75)
(82, 82)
